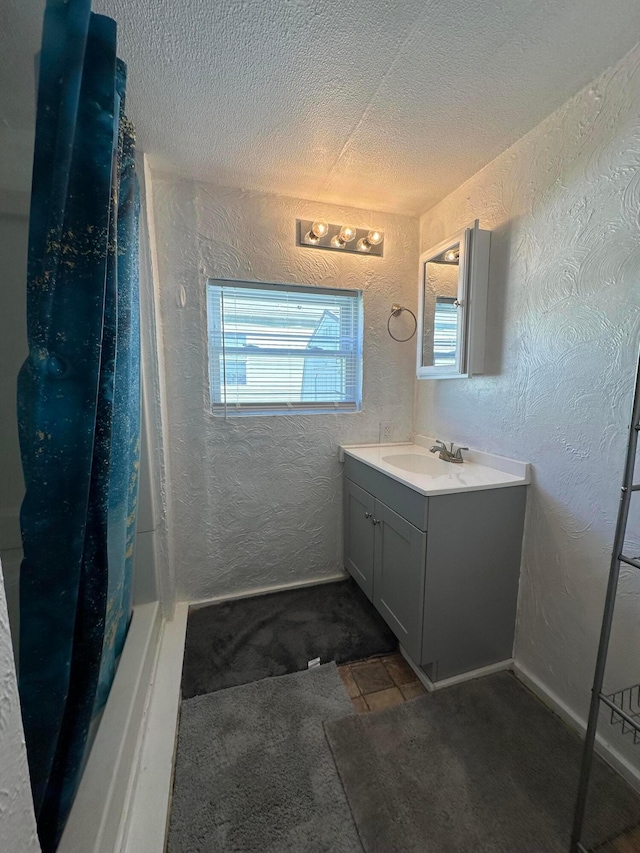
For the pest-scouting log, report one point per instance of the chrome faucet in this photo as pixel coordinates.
(447, 454)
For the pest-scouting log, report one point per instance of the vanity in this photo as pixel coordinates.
(436, 547)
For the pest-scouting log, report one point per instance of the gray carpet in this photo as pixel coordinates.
(254, 771)
(238, 642)
(482, 766)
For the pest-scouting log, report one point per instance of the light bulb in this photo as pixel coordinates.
(451, 255)
(319, 228)
(375, 237)
(347, 233)
(363, 245)
(337, 242)
(311, 237)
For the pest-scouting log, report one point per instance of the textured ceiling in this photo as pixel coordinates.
(375, 103)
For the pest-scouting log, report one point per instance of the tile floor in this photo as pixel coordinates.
(628, 842)
(380, 682)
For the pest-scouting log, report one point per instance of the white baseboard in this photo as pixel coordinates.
(500, 666)
(144, 824)
(605, 750)
(432, 686)
(422, 678)
(265, 590)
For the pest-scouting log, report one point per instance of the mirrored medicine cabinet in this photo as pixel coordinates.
(454, 278)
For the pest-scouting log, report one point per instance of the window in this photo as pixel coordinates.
(235, 365)
(278, 349)
(445, 332)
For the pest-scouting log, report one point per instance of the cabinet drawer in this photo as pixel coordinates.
(400, 498)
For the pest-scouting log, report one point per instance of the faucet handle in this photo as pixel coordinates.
(458, 453)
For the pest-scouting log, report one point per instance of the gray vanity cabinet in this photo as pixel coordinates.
(443, 571)
(384, 551)
(358, 546)
(398, 588)
(472, 572)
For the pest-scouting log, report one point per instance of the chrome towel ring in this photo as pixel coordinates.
(396, 310)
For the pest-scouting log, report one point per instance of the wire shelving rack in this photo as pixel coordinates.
(623, 705)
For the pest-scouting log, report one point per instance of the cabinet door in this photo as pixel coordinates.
(473, 571)
(358, 536)
(399, 560)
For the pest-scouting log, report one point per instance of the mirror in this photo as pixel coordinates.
(441, 327)
(452, 314)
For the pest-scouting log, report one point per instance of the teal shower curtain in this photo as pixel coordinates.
(78, 402)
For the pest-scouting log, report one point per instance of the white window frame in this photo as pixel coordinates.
(223, 408)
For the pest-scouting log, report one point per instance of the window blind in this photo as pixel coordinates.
(277, 349)
(445, 333)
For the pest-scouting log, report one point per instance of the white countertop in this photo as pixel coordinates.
(479, 471)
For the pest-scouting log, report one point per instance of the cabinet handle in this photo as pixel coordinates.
(367, 515)
(375, 521)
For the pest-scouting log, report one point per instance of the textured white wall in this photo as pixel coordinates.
(257, 501)
(563, 335)
(17, 821)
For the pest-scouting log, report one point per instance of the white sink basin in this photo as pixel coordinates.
(411, 463)
(416, 462)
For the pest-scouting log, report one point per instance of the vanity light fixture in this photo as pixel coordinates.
(346, 234)
(373, 238)
(317, 231)
(452, 256)
(342, 238)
